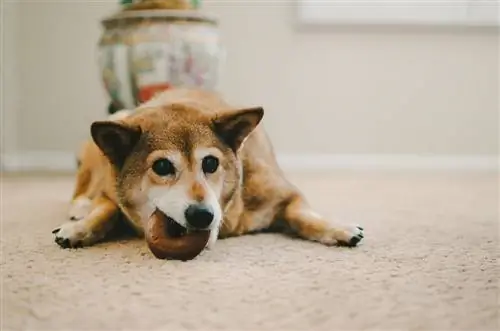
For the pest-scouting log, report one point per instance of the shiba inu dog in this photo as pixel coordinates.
(202, 162)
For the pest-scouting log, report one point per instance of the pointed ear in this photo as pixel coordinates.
(115, 140)
(233, 127)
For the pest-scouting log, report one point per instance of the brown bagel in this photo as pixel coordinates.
(164, 246)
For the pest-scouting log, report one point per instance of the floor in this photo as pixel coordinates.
(429, 262)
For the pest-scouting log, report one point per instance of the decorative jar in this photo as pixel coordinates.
(143, 52)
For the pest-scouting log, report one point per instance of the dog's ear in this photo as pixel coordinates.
(116, 140)
(233, 127)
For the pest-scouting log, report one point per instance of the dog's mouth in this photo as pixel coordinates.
(174, 229)
(167, 239)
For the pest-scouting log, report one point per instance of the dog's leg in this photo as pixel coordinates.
(88, 182)
(80, 208)
(83, 177)
(311, 226)
(81, 203)
(91, 228)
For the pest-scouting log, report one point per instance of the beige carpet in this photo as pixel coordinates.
(429, 262)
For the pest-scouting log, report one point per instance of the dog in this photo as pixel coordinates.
(196, 158)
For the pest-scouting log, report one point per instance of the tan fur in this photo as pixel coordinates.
(197, 192)
(252, 190)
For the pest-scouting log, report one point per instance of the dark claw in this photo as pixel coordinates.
(64, 243)
(360, 228)
(56, 230)
(354, 241)
(73, 218)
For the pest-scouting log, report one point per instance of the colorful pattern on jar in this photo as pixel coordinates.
(139, 60)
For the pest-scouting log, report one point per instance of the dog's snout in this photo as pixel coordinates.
(199, 216)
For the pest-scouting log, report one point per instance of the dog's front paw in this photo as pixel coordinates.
(73, 235)
(80, 208)
(349, 236)
(354, 236)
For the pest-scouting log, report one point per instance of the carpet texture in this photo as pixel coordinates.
(428, 262)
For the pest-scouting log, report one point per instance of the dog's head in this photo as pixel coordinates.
(178, 160)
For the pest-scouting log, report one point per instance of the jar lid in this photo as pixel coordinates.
(159, 15)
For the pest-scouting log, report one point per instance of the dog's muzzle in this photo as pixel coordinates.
(199, 216)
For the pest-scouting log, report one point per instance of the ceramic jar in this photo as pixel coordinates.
(145, 52)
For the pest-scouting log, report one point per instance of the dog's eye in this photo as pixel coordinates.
(210, 164)
(163, 167)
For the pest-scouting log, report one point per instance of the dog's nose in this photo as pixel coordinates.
(199, 216)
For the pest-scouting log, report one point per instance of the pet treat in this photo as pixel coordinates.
(164, 243)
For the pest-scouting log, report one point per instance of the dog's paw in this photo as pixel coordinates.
(356, 234)
(73, 235)
(80, 209)
(349, 236)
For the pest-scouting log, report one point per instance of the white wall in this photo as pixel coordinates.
(61, 85)
(385, 91)
(9, 68)
(334, 91)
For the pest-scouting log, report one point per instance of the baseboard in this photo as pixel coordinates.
(66, 162)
